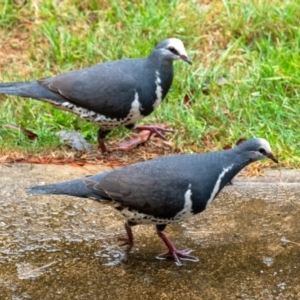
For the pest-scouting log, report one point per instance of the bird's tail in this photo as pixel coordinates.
(76, 188)
(29, 90)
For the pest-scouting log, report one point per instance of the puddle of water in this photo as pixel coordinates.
(113, 255)
(268, 261)
(26, 270)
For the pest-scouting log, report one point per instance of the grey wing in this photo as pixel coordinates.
(93, 186)
(104, 89)
(161, 194)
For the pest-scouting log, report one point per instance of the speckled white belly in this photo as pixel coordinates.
(184, 214)
(104, 122)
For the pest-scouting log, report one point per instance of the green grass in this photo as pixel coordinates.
(252, 46)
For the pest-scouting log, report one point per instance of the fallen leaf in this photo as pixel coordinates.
(240, 141)
(187, 100)
(31, 135)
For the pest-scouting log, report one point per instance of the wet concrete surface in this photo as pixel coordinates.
(54, 247)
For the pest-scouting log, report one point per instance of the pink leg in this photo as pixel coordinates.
(154, 130)
(101, 134)
(127, 240)
(102, 146)
(173, 252)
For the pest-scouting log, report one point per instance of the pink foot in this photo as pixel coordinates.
(157, 130)
(177, 255)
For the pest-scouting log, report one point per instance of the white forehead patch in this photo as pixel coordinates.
(178, 45)
(265, 144)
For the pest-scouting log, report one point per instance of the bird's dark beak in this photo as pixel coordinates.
(271, 156)
(185, 58)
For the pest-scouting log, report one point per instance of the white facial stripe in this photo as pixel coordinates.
(217, 185)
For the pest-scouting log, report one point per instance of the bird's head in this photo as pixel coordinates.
(258, 149)
(173, 49)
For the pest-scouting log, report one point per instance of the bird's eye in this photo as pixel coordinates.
(173, 50)
(262, 151)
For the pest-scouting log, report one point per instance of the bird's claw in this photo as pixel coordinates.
(178, 255)
(125, 241)
(154, 130)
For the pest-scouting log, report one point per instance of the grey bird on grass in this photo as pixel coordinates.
(111, 94)
(164, 190)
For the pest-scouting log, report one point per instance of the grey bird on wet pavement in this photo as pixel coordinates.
(111, 94)
(165, 190)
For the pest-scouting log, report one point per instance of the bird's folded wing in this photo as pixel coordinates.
(161, 195)
(108, 91)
